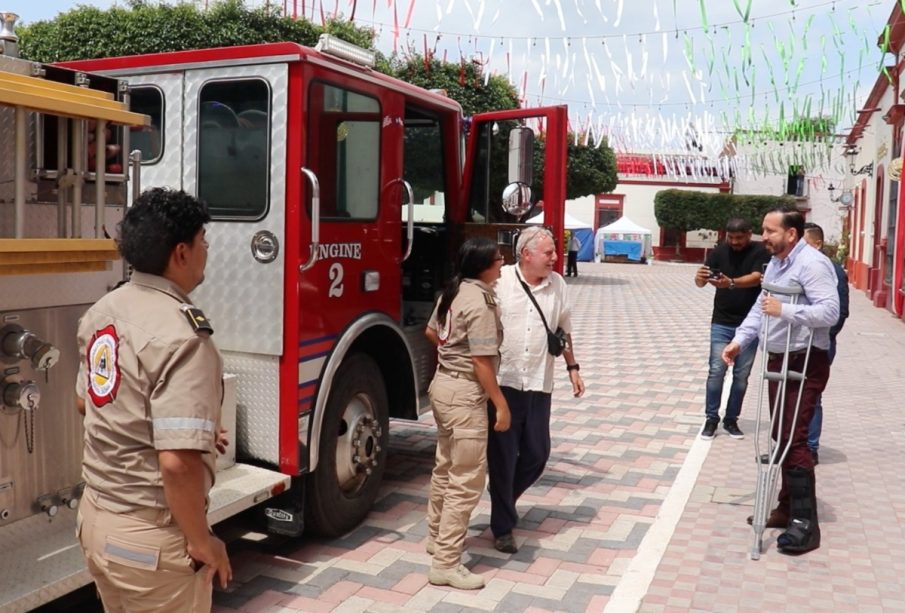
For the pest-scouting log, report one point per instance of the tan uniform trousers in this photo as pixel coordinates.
(139, 561)
(460, 410)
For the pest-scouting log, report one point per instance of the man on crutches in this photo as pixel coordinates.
(816, 309)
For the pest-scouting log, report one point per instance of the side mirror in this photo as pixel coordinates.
(521, 156)
(517, 199)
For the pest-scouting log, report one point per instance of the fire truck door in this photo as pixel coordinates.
(499, 195)
(353, 148)
(234, 158)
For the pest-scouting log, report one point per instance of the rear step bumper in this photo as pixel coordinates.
(48, 561)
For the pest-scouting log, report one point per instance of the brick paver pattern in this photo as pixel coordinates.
(641, 335)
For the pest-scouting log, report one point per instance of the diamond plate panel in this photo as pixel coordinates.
(242, 297)
(167, 171)
(257, 404)
(47, 564)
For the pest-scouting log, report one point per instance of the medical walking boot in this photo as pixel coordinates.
(803, 532)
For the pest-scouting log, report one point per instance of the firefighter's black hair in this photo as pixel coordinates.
(476, 255)
(158, 220)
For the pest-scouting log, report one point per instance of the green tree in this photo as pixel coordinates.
(88, 32)
(589, 169)
(463, 82)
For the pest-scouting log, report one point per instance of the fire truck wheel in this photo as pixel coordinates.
(353, 449)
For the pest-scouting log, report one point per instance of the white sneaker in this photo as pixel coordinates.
(460, 578)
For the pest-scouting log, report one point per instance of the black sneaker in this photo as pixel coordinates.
(732, 428)
(709, 429)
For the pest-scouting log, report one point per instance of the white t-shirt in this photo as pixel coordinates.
(525, 363)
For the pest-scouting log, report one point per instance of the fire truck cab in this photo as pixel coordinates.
(339, 198)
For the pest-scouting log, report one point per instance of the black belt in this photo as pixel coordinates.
(457, 374)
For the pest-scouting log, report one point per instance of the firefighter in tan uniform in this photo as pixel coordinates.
(150, 387)
(466, 328)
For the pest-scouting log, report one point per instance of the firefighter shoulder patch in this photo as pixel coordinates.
(103, 366)
(489, 300)
(197, 319)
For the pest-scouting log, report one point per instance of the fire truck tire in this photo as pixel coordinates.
(353, 449)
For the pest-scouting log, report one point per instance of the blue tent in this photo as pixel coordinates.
(586, 236)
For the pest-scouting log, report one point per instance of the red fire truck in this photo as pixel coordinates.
(339, 198)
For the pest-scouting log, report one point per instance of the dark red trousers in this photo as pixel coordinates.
(817, 374)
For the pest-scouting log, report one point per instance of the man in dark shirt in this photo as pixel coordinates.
(813, 235)
(734, 269)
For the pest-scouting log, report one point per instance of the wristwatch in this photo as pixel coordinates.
(731, 283)
(571, 367)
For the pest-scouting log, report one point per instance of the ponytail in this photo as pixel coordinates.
(449, 294)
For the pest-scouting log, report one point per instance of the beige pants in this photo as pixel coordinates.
(139, 561)
(460, 410)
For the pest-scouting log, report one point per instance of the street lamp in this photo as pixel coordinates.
(867, 169)
(845, 198)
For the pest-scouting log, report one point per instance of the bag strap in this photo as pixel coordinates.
(533, 299)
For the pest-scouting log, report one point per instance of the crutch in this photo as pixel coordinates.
(769, 464)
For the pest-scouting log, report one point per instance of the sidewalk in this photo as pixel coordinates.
(642, 335)
(860, 488)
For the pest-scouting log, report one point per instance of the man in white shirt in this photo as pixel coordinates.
(516, 458)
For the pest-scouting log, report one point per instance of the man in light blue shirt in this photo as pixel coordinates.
(817, 309)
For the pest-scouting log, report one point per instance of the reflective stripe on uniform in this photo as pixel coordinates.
(128, 554)
(183, 423)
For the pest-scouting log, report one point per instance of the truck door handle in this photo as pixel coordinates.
(315, 218)
(135, 161)
(410, 223)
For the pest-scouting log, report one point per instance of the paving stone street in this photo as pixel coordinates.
(616, 522)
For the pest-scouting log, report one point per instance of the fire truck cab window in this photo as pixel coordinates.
(233, 146)
(148, 139)
(491, 175)
(344, 151)
(424, 166)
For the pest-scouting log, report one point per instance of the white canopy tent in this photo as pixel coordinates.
(623, 237)
(571, 223)
(582, 230)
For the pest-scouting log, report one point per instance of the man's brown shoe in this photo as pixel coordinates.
(505, 543)
(779, 518)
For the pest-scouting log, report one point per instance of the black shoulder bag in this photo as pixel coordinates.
(556, 341)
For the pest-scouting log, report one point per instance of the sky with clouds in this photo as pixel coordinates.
(644, 73)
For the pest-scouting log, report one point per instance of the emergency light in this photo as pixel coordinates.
(344, 50)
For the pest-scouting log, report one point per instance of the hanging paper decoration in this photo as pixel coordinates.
(727, 86)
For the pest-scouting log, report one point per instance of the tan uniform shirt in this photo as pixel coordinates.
(151, 382)
(472, 327)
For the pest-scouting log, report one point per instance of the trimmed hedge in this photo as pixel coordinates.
(684, 210)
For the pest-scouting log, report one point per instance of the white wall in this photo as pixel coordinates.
(584, 209)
